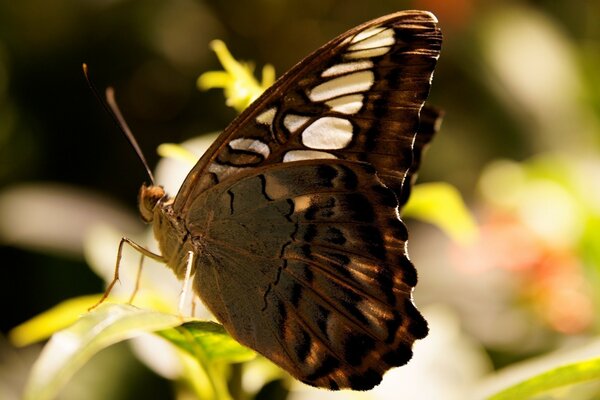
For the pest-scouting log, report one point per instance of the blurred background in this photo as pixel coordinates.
(521, 141)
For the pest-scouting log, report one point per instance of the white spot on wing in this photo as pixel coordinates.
(347, 84)
(347, 104)
(379, 39)
(292, 122)
(344, 68)
(267, 117)
(328, 133)
(367, 53)
(299, 155)
(367, 34)
(253, 145)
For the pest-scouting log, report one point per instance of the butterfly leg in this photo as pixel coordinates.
(193, 313)
(137, 247)
(138, 277)
(186, 282)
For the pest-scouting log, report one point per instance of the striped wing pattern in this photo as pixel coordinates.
(356, 98)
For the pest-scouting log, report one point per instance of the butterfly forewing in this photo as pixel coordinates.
(430, 120)
(292, 215)
(357, 98)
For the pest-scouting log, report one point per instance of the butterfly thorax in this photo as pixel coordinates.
(170, 232)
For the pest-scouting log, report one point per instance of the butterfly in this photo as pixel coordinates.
(289, 224)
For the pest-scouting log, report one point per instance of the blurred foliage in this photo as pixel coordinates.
(441, 205)
(518, 81)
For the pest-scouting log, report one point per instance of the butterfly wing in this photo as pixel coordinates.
(305, 262)
(356, 98)
(293, 212)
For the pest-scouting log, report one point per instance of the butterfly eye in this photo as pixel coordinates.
(148, 198)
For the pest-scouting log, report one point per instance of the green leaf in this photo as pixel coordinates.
(71, 348)
(58, 317)
(442, 205)
(213, 349)
(209, 338)
(555, 378)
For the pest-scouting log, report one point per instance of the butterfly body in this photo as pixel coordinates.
(292, 214)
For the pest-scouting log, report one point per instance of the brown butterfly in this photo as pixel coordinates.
(289, 223)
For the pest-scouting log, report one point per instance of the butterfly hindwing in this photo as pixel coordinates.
(326, 291)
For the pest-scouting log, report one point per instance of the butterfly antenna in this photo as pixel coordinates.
(111, 107)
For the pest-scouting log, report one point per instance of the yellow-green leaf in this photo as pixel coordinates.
(442, 205)
(555, 378)
(211, 339)
(177, 152)
(58, 317)
(212, 348)
(69, 349)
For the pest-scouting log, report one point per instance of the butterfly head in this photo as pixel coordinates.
(148, 199)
